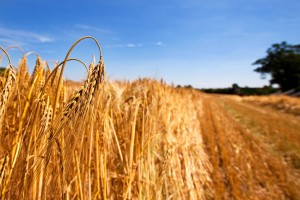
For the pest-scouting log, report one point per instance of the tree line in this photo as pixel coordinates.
(283, 64)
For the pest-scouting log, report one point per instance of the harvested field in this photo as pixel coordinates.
(278, 102)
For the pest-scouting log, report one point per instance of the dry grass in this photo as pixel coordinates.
(244, 143)
(279, 102)
(133, 140)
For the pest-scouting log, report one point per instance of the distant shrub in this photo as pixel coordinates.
(243, 91)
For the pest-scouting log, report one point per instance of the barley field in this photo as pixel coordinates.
(142, 139)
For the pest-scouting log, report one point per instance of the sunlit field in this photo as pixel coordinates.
(142, 139)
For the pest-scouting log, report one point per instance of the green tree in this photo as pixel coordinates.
(236, 88)
(283, 64)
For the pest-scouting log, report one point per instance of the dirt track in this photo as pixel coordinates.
(254, 150)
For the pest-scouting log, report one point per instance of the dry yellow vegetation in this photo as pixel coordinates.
(139, 140)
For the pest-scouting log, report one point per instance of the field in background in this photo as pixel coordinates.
(142, 140)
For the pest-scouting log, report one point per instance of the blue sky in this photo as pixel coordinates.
(205, 43)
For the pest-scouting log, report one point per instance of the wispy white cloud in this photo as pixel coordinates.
(11, 42)
(159, 43)
(133, 45)
(21, 36)
(128, 45)
(93, 28)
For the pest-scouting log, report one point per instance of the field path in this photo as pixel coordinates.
(281, 131)
(254, 150)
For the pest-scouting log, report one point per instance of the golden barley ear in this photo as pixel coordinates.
(23, 73)
(8, 86)
(57, 97)
(7, 91)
